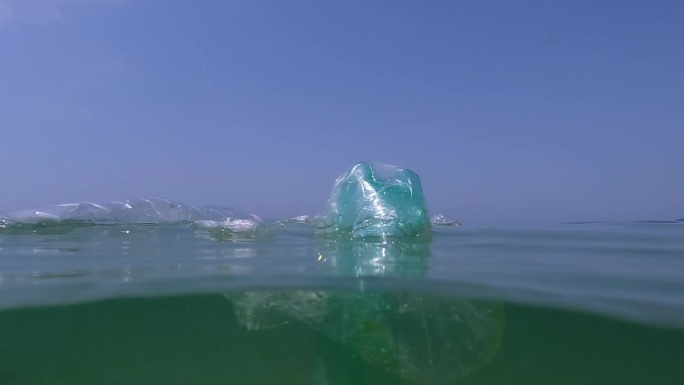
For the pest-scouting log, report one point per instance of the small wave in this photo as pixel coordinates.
(441, 220)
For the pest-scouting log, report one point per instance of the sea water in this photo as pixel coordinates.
(177, 303)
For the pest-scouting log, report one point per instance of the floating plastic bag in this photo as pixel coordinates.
(375, 200)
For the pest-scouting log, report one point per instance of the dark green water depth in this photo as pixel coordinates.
(196, 339)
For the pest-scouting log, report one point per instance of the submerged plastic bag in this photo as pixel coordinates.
(422, 338)
(418, 337)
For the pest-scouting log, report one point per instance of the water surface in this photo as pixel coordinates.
(173, 303)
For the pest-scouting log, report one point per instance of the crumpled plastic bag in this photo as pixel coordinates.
(375, 200)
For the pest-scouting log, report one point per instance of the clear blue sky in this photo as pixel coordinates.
(542, 111)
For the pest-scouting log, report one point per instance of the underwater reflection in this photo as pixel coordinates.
(368, 259)
(408, 336)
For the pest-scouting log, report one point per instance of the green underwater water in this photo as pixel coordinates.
(591, 303)
(197, 339)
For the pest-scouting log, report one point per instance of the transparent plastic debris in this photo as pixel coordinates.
(263, 310)
(134, 211)
(441, 220)
(229, 224)
(416, 337)
(5, 222)
(373, 200)
(300, 219)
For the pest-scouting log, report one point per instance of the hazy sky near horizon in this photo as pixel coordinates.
(511, 112)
